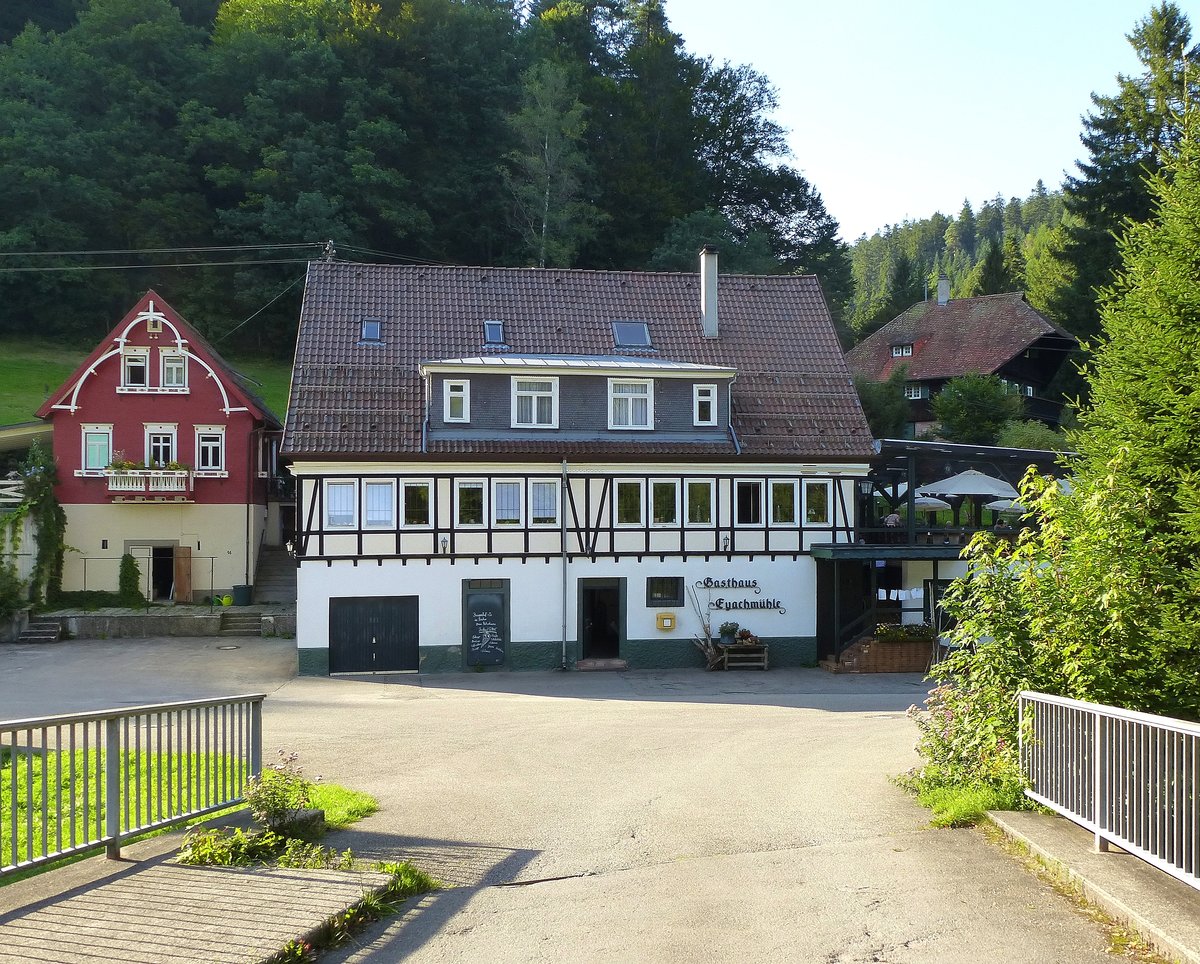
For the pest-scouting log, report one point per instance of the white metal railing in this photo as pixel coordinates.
(80, 781)
(1128, 777)
(12, 491)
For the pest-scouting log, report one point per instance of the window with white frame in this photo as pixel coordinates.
(748, 502)
(818, 503)
(97, 447)
(210, 448)
(914, 391)
(135, 367)
(339, 504)
(664, 502)
(783, 502)
(630, 403)
(704, 404)
(534, 402)
(173, 370)
(902, 351)
(543, 503)
(416, 504)
(699, 498)
(469, 504)
(506, 502)
(161, 445)
(379, 499)
(628, 506)
(456, 400)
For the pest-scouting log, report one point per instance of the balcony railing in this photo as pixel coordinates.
(149, 480)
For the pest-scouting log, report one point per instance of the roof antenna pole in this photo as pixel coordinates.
(330, 252)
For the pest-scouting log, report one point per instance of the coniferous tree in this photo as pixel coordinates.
(1125, 135)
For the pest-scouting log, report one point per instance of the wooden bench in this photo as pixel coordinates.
(743, 657)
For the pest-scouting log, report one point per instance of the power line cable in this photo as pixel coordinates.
(226, 247)
(392, 254)
(135, 267)
(260, 310)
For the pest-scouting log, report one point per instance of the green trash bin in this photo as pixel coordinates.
(242, 595)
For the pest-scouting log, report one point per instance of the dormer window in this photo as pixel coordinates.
(902, 351)
(372, 330)
(135, 369)
(630, 403)
(631, 334)
(456, 401)
(493, 333)
(704, 404)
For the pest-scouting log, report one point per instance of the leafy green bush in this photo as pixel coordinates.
(12, 592)
(234, 847)
(129, 582)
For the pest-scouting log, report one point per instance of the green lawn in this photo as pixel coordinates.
(169, 784)
(30, 370)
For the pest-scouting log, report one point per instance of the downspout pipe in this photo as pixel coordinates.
(562, 517)
(737, 446)
(428, 379)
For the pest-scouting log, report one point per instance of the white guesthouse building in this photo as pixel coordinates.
(525, 468)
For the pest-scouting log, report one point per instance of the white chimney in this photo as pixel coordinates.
(708, 290)
(943, 290)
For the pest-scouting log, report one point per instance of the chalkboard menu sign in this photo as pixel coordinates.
(484, 628)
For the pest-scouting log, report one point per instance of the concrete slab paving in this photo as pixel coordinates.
(159, 911)
(1162, 910)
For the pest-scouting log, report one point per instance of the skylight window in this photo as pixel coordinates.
(493, 333)
(631, 334)
(372, 329)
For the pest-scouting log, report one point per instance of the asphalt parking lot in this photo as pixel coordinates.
(643, 816)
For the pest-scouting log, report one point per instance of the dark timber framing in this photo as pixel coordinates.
(591, 533)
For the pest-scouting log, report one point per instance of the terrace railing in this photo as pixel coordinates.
(81, 781)
(1128, 777)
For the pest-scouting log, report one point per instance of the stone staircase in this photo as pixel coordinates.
(240, 623)
(275, 578)
(41, 631)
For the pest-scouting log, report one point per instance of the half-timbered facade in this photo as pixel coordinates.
(162, 453)
(528, 467)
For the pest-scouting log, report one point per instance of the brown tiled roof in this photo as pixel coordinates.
(793, 397)
(964, 335)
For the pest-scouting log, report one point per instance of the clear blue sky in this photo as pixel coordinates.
(900, 108)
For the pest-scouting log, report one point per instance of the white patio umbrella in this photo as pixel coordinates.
(970, 482)
(927, 503)
(1006, 505)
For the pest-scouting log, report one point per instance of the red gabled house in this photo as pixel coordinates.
(163, 453)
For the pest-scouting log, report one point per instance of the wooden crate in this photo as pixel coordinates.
(744, 657)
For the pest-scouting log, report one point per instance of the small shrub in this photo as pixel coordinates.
(281, 792)
(906, 633)
(12, 592)
(226, 847)
(129, 582)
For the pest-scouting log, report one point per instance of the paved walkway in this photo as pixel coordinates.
(146, 910)
(673, 816)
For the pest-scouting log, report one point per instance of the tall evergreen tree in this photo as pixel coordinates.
(1125, 135)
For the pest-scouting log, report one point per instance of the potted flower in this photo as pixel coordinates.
(728, 631)
(745, 638)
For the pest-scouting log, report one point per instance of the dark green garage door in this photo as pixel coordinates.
(373, 634)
